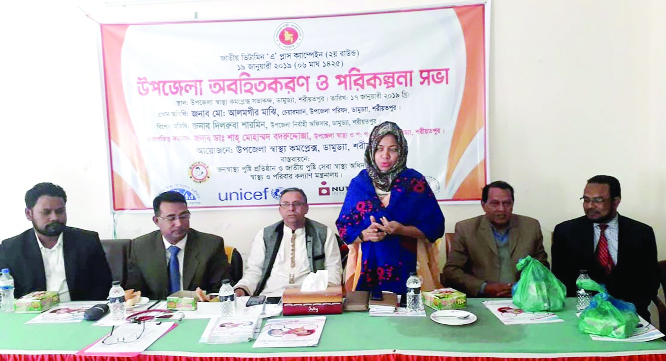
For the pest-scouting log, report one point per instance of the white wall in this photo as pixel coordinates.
(576, 89)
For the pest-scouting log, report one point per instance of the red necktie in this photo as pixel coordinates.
(602, 253)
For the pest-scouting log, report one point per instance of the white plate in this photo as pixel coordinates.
(450, 317)
(142, 301)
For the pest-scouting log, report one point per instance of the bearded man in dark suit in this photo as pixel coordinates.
(53, 257)
(617, 251)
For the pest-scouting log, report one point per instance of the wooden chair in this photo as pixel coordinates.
(661, 308)
(448, 238)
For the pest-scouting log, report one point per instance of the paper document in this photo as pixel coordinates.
(397, 311)
(65, 312)
(291, 332)
(128, 340)
(231, 329)
(510, 314)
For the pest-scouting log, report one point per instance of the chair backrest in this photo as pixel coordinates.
(449, 238)
(235, 263)
(344, 251)
(661, 308)
(444, 254)
(117, 253)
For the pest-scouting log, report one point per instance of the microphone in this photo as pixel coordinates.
(96, 312)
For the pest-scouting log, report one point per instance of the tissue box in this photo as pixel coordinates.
(445, 299)
(36, 302)
(182, 301)
(295, 302)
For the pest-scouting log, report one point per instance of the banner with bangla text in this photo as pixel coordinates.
(229, 113)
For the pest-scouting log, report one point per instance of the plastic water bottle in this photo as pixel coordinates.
(6, 291)
(414, 301)
(583, 295)
(227, 299)
(117, 302)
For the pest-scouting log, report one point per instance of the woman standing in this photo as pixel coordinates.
(390, 215)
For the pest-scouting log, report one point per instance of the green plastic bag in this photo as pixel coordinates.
(606, 316)
(538, 289)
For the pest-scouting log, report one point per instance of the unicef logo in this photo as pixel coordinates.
(189, 196)
(275, 193)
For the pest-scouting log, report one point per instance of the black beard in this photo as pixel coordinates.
(52, 229)
(605, 219)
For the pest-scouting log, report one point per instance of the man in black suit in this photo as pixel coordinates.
(53, 257)
(175, 257)
(617, 251)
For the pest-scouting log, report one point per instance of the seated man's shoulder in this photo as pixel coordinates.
(208, 238)
(17, 240)
(471, 223)
(315, 223)
(635, 224)
(83, 233)
(573, 223)
(527, 221)
(145, 238)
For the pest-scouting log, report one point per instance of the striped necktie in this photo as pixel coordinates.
(602, 253)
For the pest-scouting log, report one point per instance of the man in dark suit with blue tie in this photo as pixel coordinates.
(617, 251)
(175, 257)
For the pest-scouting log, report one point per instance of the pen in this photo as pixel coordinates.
(153, 305)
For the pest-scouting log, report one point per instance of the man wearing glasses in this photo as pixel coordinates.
(284, 253)
(175, 257)
(486, 248)
(616, 251)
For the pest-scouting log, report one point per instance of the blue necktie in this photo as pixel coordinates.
(174, 273)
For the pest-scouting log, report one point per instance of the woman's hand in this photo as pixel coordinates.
(395, 227)
(391, 227)
(373, 233)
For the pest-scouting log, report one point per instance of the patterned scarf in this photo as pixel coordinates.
(383, 180)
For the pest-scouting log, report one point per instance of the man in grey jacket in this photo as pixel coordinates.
(284, 253)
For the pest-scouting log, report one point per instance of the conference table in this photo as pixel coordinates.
(352, 336)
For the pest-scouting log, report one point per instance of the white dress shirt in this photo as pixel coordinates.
(282, 269)
(611, 233)
(54, 268)
(180, 255)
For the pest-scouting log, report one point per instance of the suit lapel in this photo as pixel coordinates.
(586, 240)
(621, 239)
(32, 251)
(190, 261)
(156, 264)
(69, 255)
(514, 235)
(486, 234)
